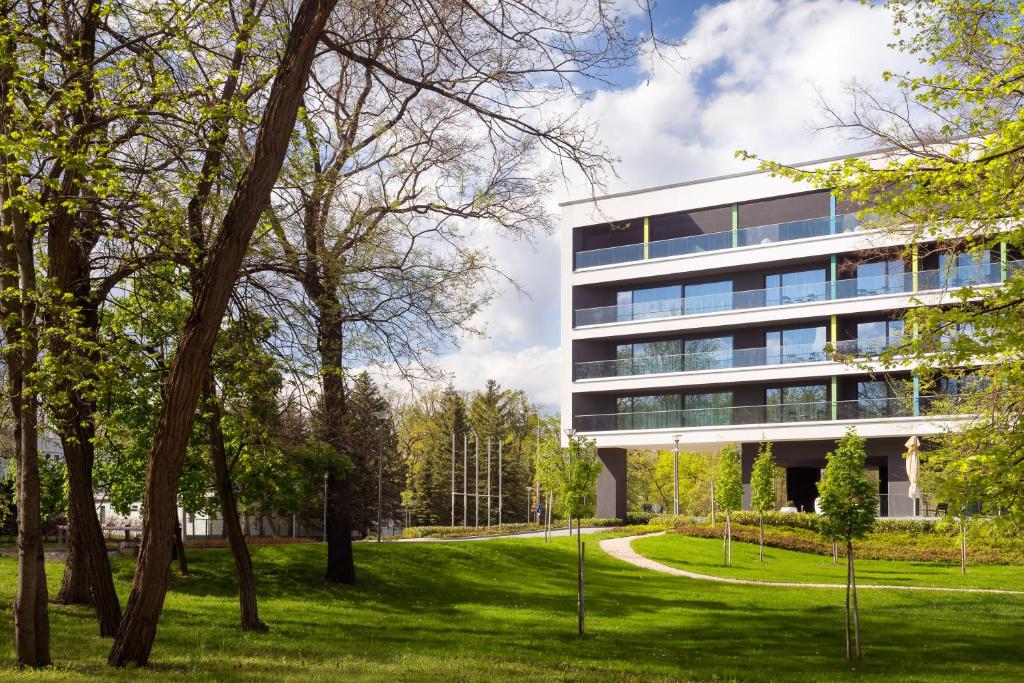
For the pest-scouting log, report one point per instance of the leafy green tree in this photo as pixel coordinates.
(729, 492)
(849, 502)
(570, 471)
(762, 487)
(952, 181)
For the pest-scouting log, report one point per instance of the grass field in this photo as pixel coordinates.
(704, 556)
(503, 609)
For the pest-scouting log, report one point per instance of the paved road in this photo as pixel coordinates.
(528, 534)
(622, 549)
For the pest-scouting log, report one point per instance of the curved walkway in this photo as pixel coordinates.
(622, 549)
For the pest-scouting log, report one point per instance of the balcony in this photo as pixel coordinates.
(902, 283)
(717, 241)
(728, 359)
(818, 411)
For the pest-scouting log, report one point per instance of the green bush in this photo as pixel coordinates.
(511, 528)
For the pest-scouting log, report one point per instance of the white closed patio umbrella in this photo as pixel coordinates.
(913, 466)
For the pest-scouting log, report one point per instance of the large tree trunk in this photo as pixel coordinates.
(69, 267)
(31, 619)
(74, 585)
(137, 631)
(78, 455)
(20, 351)
(229, 513)
(341, 566)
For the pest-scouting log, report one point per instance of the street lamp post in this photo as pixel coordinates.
(675, 477)
(381, 415)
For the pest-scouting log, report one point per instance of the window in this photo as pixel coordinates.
(648, 412)
(794, 288)
(959, 270)
(880, 277)
(876, 336)
(707, 297)
(802, 345)
(705, 410)
(651, 302)
(708, 354)
(958, 386)
(644, 358)
(873, 399)
(796, 404)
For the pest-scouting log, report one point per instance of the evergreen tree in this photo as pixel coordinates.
(428, 427)
(374, 452)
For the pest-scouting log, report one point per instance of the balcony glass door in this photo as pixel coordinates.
(707, 410)
(873, 399)
(795, 288)
(880, 277)
(648, 412)
(707, 297)
(802, 345)
(708, 354)
(796, 404)
(875, 337)
(962, 270)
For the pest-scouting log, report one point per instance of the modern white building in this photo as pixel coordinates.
(703, 309)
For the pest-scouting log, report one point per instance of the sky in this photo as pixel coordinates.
(749, 74)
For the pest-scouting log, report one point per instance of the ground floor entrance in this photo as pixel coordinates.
(802, 487)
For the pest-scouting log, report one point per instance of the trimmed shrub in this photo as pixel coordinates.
(913, 545)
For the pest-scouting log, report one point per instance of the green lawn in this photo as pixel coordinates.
(504, 609)
(704, 555)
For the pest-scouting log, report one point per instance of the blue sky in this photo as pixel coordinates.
(748, 75)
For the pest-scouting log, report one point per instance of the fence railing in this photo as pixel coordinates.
(814, 411)
(904, 283)
(717, 241)
(729, 358)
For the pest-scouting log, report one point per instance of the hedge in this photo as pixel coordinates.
(517, 527)
(934, 545)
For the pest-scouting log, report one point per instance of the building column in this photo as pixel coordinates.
(832, 214)
(748, 453)
(611, 483)
(735, 225)
(647, 237)
(898, 486)
(833, 276)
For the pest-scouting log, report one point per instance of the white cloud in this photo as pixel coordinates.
(748, 77)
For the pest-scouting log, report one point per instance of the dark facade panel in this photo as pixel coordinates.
(608, 235)
(783, 209)
(689, 223)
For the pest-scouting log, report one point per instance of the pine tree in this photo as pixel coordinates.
(372, 442)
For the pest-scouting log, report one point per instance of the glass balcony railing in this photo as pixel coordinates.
(729, 358)
(716, 241)
(903, 283)
(817, 411)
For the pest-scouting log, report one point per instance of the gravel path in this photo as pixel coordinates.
(622, 549)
